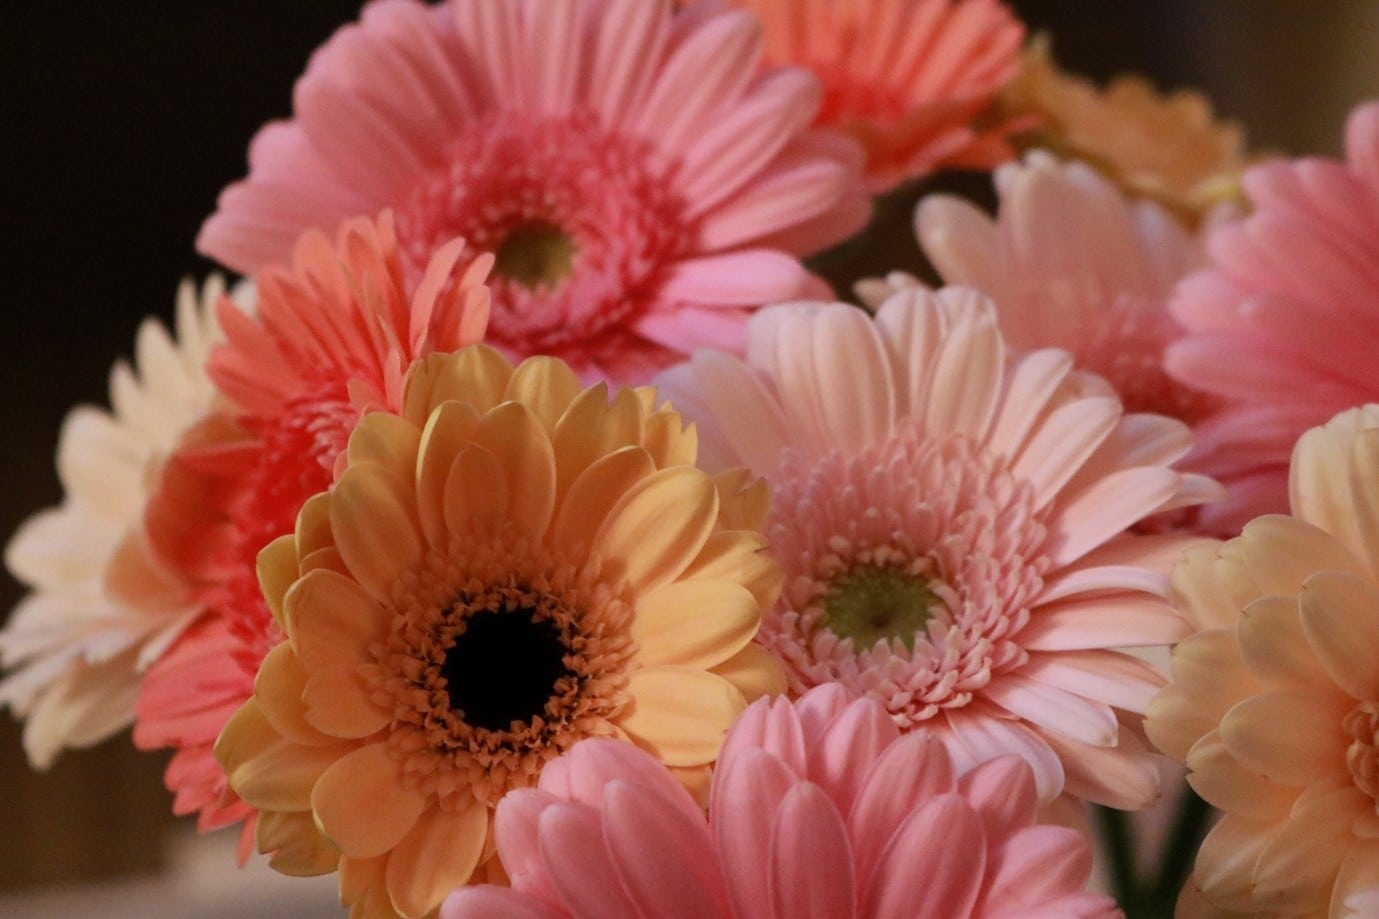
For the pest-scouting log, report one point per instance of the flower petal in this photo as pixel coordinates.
(438, 855)
(680, 714)
(362, 805)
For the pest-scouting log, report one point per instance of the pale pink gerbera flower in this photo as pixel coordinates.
(913, 80)
(104, 603)
(951, 521)
(1285, 326)
(1274, 704)
(641, 183)
(1071, 262)
(333, 337)
(818, 808)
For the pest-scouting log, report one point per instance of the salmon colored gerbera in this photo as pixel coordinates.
(1166, 147)
(641, 184)
(1274, 703)
(820, 808)
(105, 602)
(951, 519)
(913, 80)
(506, 567)
(332, 337)
(1284, 325)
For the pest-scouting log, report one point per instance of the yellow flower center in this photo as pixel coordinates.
(1362, 724)
(869, 603)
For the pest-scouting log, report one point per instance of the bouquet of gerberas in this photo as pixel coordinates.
(531, 534)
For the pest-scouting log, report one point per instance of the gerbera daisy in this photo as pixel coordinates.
(1285, 325)
(821, 808)
(1170, 148)
(1072, 263)
(641, 183)
(951, 522)
(504, 568)
(1274, 704)
(332, 337)
(913, 81)
(104, 602)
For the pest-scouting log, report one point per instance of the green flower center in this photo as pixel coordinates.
(868, 604)
(535, 255)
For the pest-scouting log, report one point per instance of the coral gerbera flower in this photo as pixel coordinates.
(1285, 325)
(105, 602)
(1072, 263)
(639, 182)
(332, 337)
(1170, 148)
(1274, 703)
(508, 566)
(951, 521)
(913, 81)
(821, 808)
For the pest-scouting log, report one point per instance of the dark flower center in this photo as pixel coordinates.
(536, 254)
(504, 667)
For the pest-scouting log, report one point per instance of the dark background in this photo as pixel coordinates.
(122, 122)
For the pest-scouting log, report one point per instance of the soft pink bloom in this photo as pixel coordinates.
(332, 337)
(1073, 263)
(818, 808)
(951, 519)
(1285, 326)
(913, 80)
(641, 182)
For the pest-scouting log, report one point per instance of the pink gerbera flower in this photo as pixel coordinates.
(1285, 326)
(913, 81)
(641, 183)
(332, 337)
(952, 523)
(820, 808)
(1071, 262)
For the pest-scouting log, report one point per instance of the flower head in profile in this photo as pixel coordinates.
(1169, 148)
(333, 336)
(507, 566)
(913, 81)
(104, 602)
(641, 183)
(1284, 326)
(1071, 262)
(818, 808)
(951, 519)
(1274, 702)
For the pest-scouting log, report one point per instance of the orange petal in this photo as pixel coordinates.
(373, 519)
(546, 386)
(476, 494)
(523, 449)
(698, 623)
(361, 804)
(680, 714)
(332, 621)
(448, 431)
(278, 689)
(437, 856)
(388, 440)
(293, 844)
(592, 495)
(338, 702)
(658, 527)
(755, 671)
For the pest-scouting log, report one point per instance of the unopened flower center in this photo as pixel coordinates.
(869, 604)
(503, 667)
(1362, 724)
(535, 255)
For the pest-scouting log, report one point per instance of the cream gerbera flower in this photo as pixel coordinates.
(1167, 147)
(103, 605)
(1274, 704)
(508, 566)
(951, 518)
